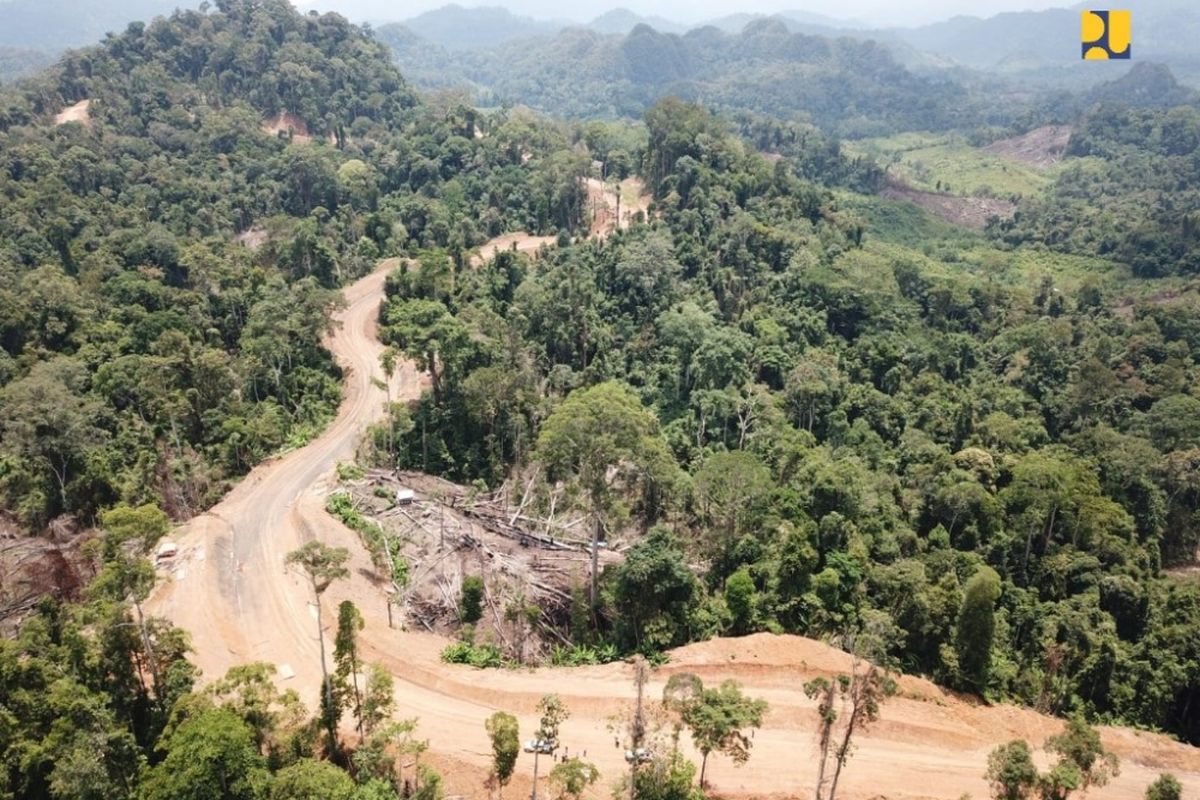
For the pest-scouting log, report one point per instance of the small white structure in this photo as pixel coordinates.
(405, 497)
(166, 551)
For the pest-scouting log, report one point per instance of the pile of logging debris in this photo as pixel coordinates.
(445, 532)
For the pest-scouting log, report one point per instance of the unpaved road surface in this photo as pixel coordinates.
(231, 590)
(521, 242)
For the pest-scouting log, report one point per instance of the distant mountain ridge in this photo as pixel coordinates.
(1046, 43)
(1040, 46)
(33, 33)
(846, 84)
(457, 28)
(54, 25)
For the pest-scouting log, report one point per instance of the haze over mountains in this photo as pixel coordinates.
(1039, 46)
(1031, 46)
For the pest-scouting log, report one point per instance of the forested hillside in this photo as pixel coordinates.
(774, 401)
(1133, 195)
(168, 262)
(168, 265)
(851, 86)
(850, 431)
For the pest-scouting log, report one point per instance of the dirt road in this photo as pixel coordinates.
(521, 242)
(232, 592)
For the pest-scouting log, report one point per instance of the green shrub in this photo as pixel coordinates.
(470, 602)
(483, 656)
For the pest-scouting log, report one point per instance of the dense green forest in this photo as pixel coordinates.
(101, 703)
(150, 351)
(844, 427)
(169, 265)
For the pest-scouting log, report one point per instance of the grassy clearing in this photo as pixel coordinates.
(897, 230)
(945, 162)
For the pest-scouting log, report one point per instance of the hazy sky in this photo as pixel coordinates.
(879, 12)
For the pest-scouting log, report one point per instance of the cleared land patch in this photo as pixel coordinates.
(970, 212)
(76, 113)
(1040, 148)
(946, 163)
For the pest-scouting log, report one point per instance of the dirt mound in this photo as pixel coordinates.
(1041, 147)
(76, 113)
(970, 212)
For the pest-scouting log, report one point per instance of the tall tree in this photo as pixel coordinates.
(604, 438)
(323, 565)
(210, 756)
(1079, 748)
(718, 720)
(976, 628)
(554, 712)
(504, 733)
(1011, 772)
(345, 656)
(845, 707)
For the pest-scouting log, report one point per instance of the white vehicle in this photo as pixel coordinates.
(641, 755)
(543, 746)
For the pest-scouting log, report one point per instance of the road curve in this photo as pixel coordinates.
(232, 592)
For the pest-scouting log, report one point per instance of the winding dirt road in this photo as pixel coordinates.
(231, 590)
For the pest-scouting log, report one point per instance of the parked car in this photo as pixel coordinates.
(641, 755)
(543, 746)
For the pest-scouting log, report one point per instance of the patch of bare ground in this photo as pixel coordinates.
(616, 206)
(520, 242)
(76, 113)
(287, 124)
(612, 206)
(970, 212)
(253, 238)
(34, 567)
(445, 532)
(1041, 147)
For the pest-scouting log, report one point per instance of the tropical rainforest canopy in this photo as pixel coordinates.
(814, 410)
